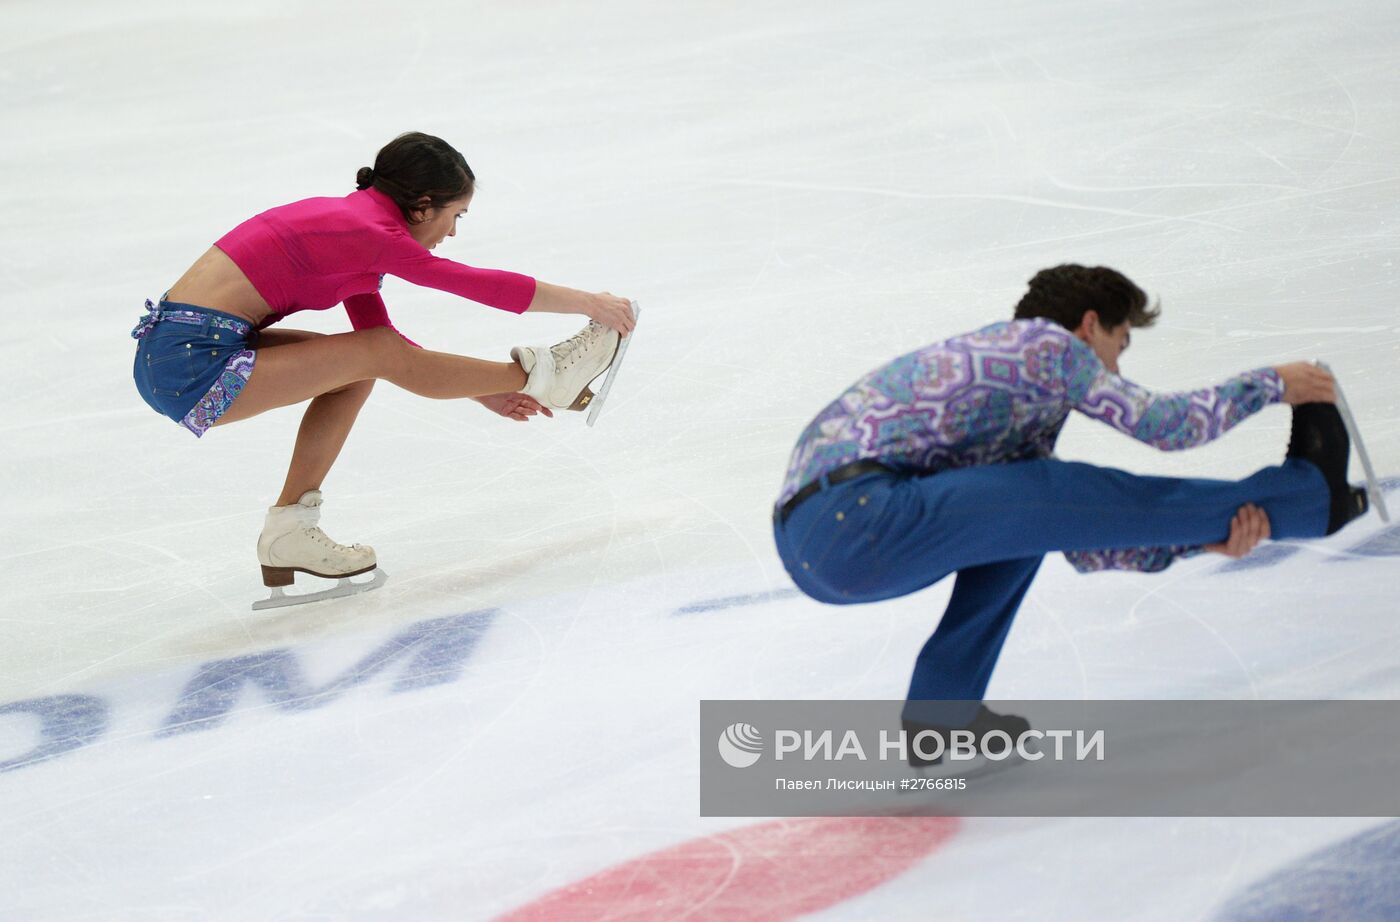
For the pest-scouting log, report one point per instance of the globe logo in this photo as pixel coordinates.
(740, 745)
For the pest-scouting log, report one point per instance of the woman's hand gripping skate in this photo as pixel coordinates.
(514, 406)
(603, 307)
(611, 311)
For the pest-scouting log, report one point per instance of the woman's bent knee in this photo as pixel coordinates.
(359, 390)
(386, 352)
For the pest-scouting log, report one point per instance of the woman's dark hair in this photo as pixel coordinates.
(416, 166)
(1063, 294)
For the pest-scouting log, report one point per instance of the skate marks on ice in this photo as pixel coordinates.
(1354, 879)
(467, 572)
(521, 567)
(770, 872)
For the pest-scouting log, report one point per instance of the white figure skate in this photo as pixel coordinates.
(560, 377)
(291, 543)
(1373, 489)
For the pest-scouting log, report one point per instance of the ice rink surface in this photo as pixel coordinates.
(795, 192)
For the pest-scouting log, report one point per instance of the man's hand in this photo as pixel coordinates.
(1249, 526)
(513, 406)
(1304, 382)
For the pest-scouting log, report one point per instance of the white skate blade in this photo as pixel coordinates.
(1373, 489)
(343, 587)
(596, 406)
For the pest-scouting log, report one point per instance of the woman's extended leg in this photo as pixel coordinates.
(337, 374)
(288, 372)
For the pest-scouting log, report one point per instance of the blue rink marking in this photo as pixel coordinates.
(1357, 880)
(65, 723)
(421, 655)
(1261, 557)
(734, 601)
(1384, 543)
(435, 651)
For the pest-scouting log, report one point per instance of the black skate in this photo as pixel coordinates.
(1319, 437)
(985, 722)
(1374, 493)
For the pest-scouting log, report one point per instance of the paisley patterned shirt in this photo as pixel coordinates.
(1001, 394)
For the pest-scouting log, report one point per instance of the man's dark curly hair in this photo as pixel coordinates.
(1063, 294)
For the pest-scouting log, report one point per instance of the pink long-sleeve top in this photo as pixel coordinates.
(319, 252)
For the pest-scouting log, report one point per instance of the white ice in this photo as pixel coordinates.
(794, 192)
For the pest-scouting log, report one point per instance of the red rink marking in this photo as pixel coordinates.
(767, 873)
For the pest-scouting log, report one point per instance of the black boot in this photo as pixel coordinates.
(1320, 437)
(984, 722)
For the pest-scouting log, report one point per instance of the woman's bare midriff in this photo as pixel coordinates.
(216, 282)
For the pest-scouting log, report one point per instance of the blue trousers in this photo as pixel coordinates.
(884, 535)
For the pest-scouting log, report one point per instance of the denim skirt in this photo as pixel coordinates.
(192, 362)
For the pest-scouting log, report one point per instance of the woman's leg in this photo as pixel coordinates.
(325, 426)
(291, 369)
(323, 431)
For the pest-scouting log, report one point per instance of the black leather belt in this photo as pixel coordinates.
(837, 475)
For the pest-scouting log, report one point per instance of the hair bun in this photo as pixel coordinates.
(415, 168)
(365, 178)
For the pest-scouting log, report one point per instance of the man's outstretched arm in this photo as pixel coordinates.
(1176, 421)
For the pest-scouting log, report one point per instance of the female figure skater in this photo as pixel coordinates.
(207, 355)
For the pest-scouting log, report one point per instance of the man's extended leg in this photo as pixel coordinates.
(884, 536)
(957, 661)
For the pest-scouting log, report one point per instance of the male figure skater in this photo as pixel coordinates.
(941, 461)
